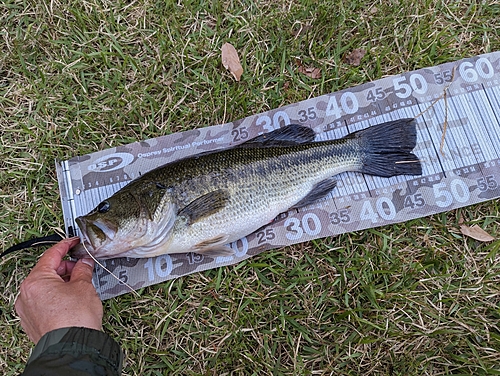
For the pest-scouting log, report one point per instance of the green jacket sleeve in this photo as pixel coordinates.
(76, 352)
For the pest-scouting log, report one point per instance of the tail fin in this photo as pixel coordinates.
(387, 148)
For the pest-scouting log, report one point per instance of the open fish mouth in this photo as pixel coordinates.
(97, 230)
(82, 249)
(82, 225)
(95, 234)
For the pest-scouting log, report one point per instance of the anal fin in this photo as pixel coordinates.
(214, 247)
(320, 190)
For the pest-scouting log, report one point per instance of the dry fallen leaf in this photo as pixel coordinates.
(231, 61)
(354, 58)
(476, 232)
(309, 72)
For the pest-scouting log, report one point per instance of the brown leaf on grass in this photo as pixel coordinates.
(354, 58)
(309, 72)
(476, 232)
(231, 61)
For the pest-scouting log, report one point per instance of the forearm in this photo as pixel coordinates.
(75, 351)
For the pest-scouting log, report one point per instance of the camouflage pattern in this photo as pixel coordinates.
(81, 351)
(464, 171)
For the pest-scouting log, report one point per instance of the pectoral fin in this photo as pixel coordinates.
(320, 190)
(214, 247)
(205, 205)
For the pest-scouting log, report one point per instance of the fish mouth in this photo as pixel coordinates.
(82, 225)
(83, 248)
(96, 233)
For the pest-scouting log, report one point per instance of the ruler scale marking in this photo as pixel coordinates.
(487, 109)
(425, 149)
(459, 135)
(475, 130)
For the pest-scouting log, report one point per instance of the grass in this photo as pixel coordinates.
(409, 299)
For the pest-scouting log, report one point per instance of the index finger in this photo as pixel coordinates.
(52, 257)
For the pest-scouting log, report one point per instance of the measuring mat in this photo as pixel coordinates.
(457, 106)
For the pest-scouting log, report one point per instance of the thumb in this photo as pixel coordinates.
(83, 270)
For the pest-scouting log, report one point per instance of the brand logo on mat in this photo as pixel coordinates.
(111, 162)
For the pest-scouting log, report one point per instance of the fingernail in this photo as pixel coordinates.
(88, 261)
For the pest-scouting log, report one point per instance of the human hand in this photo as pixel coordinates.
(59, 294)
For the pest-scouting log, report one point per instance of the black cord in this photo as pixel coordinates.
(36, 242)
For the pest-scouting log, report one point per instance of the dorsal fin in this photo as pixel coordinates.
(290, 135)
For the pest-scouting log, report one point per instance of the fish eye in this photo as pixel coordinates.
(103, 207)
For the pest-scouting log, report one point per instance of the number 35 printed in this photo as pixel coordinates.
(306, 115)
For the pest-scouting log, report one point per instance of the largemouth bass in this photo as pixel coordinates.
(202, 203)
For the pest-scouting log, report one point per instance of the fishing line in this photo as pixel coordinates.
(109, 271)
(445, 120)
